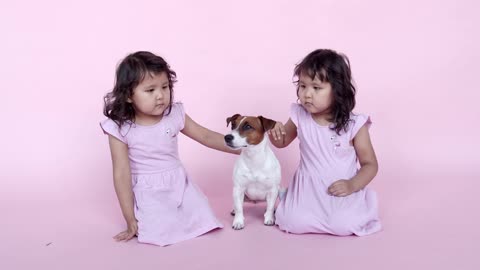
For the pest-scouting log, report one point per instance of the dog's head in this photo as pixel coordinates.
(247, 130)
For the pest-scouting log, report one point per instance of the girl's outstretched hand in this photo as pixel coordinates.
(341, 188)
(278, 131)
(129, 233)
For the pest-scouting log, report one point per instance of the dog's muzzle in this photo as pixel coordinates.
(229, 140)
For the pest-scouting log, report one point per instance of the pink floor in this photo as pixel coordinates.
(441, 232)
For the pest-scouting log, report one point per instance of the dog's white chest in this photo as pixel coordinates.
(256, 176)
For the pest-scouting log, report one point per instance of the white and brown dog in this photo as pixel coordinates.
(257, 172)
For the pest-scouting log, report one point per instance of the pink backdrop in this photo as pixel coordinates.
(416, 67)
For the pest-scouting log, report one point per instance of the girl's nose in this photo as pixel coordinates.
(308, 92)
(159, 95)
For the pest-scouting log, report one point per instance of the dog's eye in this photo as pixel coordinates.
(247, 127)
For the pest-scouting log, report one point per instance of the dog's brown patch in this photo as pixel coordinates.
(251, 127)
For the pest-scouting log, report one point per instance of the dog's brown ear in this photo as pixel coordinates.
(266, 123)
(232, 118)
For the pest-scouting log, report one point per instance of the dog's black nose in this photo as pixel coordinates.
(228, 138)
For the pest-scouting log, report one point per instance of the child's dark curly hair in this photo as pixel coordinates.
(330, 66)
(129, 74)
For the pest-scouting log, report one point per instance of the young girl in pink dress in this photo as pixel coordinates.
(159, 202)
(328, 193)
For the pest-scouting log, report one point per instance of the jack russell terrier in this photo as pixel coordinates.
(257, 173)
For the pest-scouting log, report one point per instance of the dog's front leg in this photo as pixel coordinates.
(238, 196)
(269, 219)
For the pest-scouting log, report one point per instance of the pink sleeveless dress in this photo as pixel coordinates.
(169, 207)
(326, 157)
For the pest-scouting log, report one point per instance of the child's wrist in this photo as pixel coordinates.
(355, 185)
(130, 219)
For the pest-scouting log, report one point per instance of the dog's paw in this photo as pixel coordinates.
(269, 220)
(238, 224)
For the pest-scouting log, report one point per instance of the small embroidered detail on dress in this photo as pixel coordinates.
(335, 142)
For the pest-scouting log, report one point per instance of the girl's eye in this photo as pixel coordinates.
(165, 87)
(302, 86)
(317, 88)
(150, 90)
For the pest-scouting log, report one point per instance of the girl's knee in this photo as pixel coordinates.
(341, 223)
(293, 223)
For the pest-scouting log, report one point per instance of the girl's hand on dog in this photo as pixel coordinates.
(278, 131)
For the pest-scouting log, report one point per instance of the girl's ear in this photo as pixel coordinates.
(129, 100)
(232, 118)
(266, 123)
